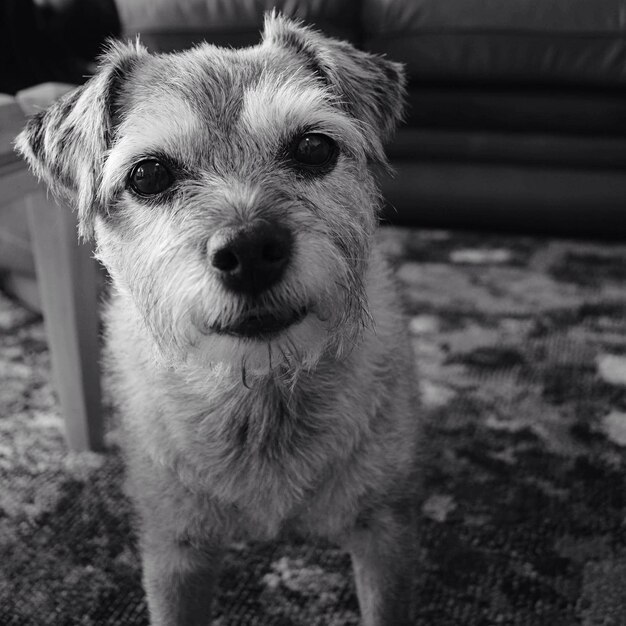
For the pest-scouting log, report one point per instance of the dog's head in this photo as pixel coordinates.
(229, 191)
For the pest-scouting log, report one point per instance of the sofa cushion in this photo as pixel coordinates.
(572, 42)
(517, 109)
(174, 25)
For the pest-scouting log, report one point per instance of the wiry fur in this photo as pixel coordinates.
(313, 430)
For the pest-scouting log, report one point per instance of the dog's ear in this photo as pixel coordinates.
(65, 145)
(370, 87)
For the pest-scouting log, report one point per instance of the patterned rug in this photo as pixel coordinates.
(521, 344)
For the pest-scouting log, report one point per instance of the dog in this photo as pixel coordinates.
(257, 347)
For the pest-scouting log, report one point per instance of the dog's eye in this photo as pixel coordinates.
(150, 177)
(314, 150)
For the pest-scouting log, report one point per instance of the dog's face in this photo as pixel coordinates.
(228, 190)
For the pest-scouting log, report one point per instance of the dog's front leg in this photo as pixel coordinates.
(179, 581)
(384, 553)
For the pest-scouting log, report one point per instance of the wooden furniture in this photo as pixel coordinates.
(66, 273)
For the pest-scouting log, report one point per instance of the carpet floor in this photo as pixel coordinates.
(521, 345)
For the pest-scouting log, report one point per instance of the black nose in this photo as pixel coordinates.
(250, 259)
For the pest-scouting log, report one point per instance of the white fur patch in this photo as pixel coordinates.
(279, 105)
(152, 129)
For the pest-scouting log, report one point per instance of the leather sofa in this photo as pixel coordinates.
(517, 108)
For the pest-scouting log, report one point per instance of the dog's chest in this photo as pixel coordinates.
(264, 452)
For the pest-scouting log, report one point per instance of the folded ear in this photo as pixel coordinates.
(370, 87)
(65, 145)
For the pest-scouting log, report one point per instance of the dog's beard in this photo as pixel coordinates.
(299, 347)
(192, 329)
(328, 328)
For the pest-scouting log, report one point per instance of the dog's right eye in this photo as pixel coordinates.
(314, 151)
(150, 177)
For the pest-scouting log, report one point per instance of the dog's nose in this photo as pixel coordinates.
(250, 259)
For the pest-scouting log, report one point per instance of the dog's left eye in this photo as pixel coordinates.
(150, 177)
(314, 150)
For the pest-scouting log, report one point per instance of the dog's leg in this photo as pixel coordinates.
(384, 553)
(179, 581)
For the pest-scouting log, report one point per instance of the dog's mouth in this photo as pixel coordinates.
(259, 324)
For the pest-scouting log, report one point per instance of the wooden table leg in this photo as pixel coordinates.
(68, 284)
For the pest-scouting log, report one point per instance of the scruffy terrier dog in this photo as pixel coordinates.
(259, 355)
